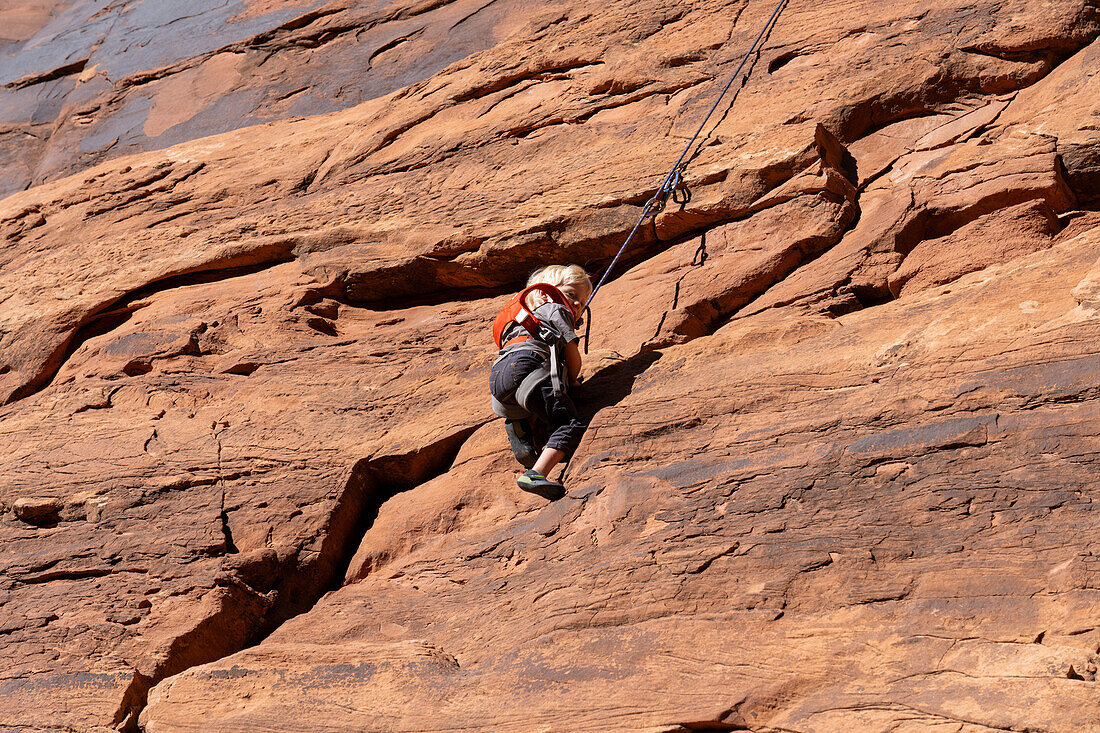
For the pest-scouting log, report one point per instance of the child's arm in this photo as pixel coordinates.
(573, 362)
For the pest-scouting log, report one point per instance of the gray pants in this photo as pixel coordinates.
(563, 425)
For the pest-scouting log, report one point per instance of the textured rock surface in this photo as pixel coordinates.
(841, 469)
(88, 80)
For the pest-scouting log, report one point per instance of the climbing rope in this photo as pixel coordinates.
(673, 182)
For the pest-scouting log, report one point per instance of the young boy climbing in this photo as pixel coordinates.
(536, 336)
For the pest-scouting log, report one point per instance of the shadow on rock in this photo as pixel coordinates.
(611, 384)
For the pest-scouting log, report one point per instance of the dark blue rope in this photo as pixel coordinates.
(675, 176)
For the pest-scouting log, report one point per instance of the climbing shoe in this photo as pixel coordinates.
(522, 442)
(536, 483)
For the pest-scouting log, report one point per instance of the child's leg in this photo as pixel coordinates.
(566, 430)
(549, 458)
(505, 377)
(521, 439)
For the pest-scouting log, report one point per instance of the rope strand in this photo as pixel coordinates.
(674, 178)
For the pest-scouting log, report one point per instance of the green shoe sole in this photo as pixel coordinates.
(539, 484)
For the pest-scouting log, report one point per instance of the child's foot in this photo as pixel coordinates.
(522, 442)
(536, 483)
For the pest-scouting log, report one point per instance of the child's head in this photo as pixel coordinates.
(571, 280)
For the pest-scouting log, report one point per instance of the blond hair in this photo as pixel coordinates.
(559, 275)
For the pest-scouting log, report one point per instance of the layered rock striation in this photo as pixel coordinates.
(841, 465)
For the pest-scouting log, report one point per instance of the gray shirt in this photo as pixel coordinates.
(559, 319)
(556, 317)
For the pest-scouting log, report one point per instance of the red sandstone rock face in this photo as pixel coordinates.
(843, 451)
(89, 81)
